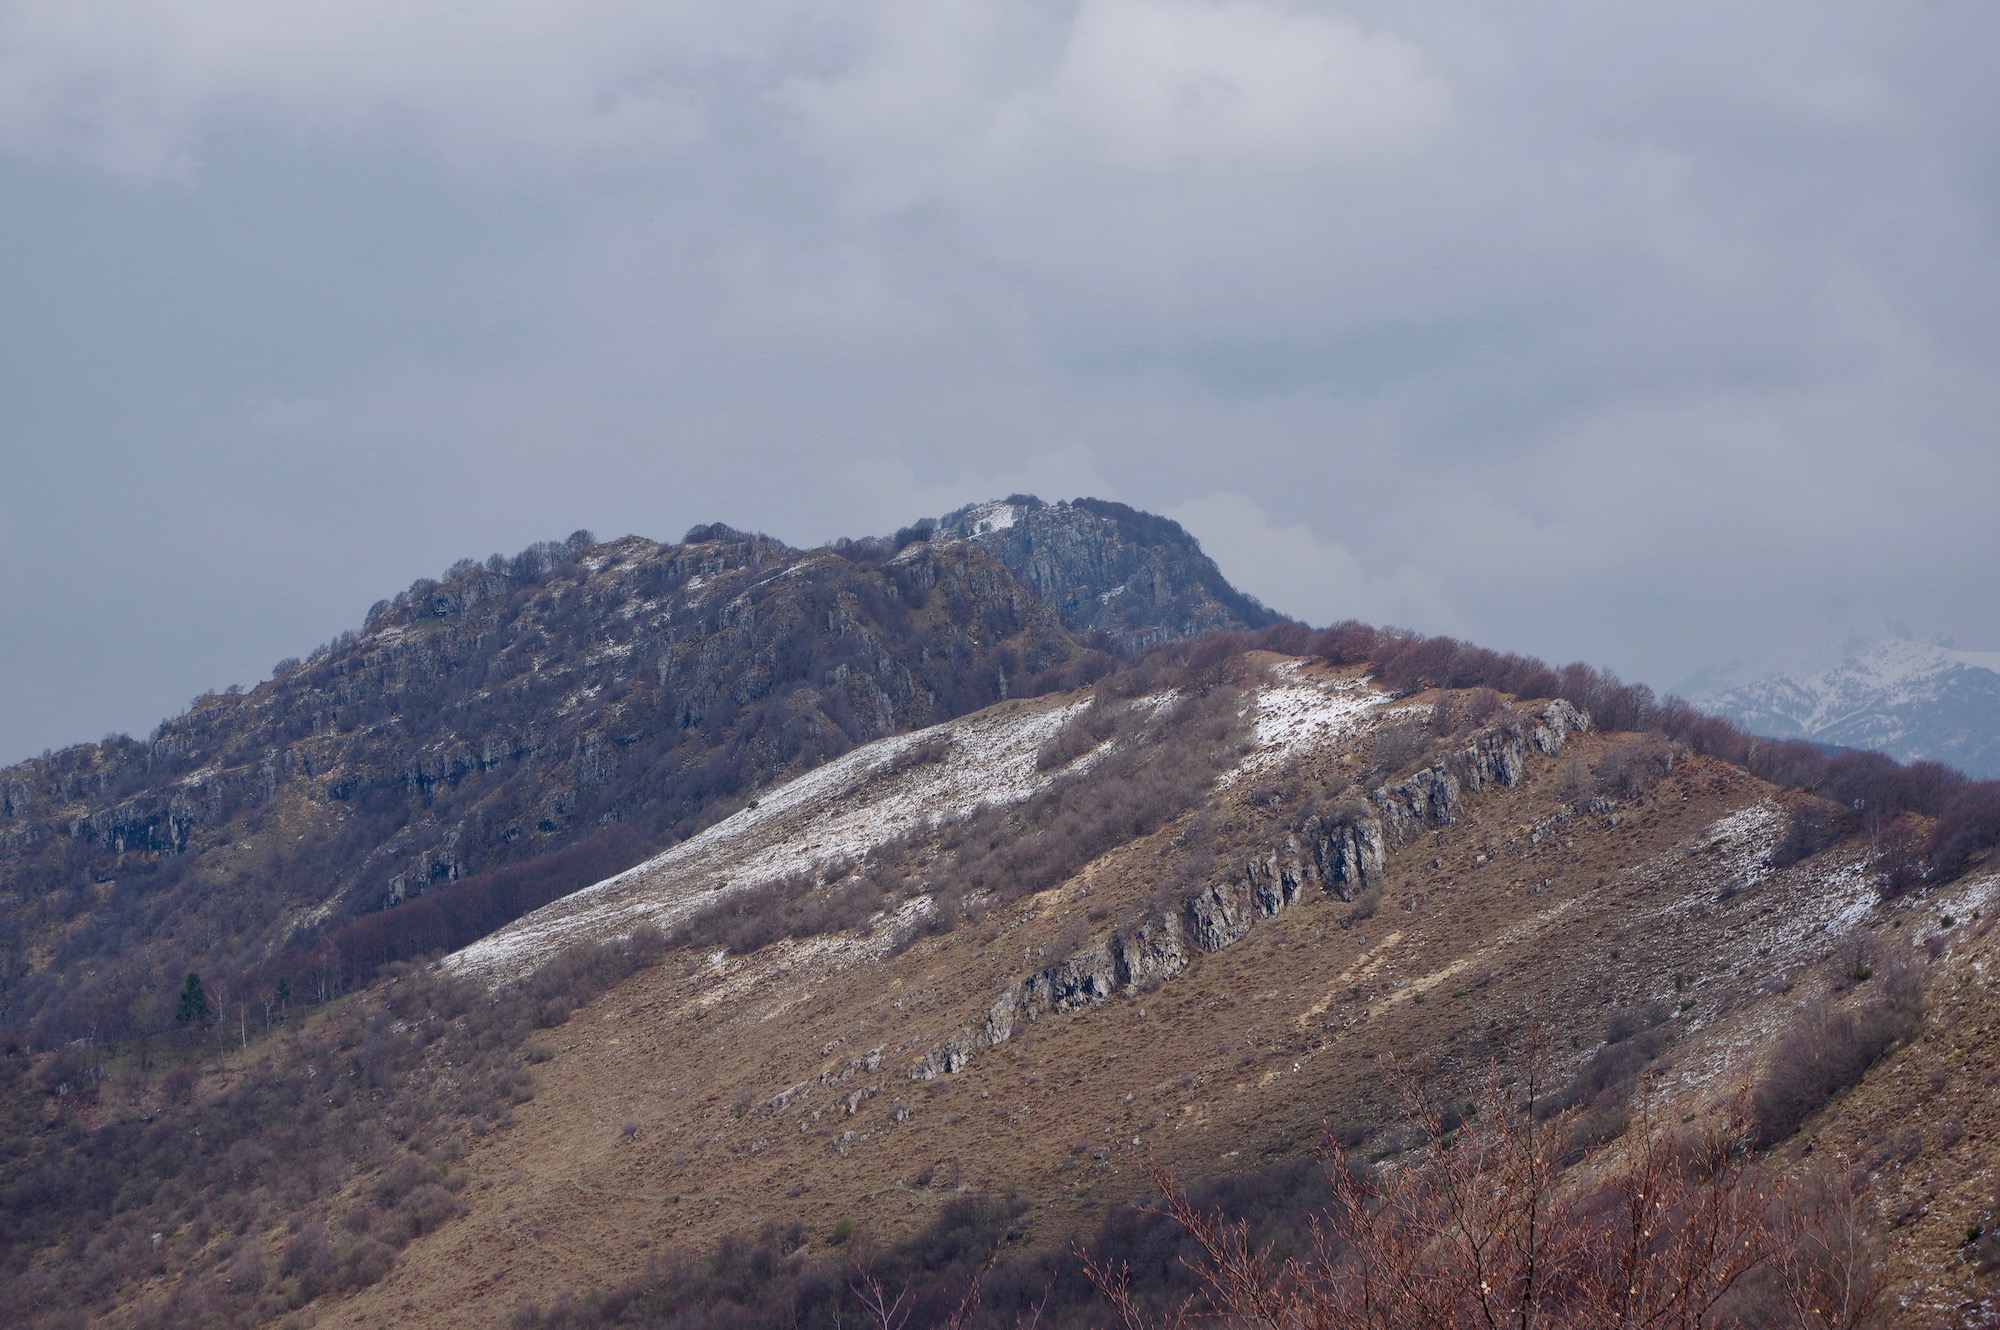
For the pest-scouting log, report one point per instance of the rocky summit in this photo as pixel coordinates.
(1109, 569)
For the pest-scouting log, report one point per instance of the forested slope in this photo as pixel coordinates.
(604, 699)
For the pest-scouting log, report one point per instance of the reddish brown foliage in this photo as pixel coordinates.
(1486, 1228)
(1877, 788)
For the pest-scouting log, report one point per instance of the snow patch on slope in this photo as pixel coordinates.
(1303, 710)
(990, 517)
(909, 783)
(839, 811)
(1826, 896)
(734, 977)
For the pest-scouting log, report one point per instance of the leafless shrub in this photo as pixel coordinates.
(1082, 733)
(400, 1178)
(887, 1313)
(1829, 1048)
(245, 1271)
(1811, 826)
(1447, 716)
(1982, 1240)
(1636, 766)
(1398, 747)
(308, 1260)
(1601, 1088)
(794, 906)
(422, 1210)
(930, 749)
(178, 1085)
(365, 1263)
(1482, 705)
(1898, 1150)
(1578, 781)
(1485, 1228)
(1363, 907)
(1823, 1271)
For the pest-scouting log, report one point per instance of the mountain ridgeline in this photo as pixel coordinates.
(1911, 700)
(508, 733)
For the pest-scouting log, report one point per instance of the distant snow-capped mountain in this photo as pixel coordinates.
(1907, 699)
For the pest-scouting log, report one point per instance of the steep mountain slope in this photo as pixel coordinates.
(480, 721)
(600, 698)
(851, 900)
(1217, 1018)
(1911, 700)
(1137, 578)
(1192, 908)
(1919, 1130)
(834, 816)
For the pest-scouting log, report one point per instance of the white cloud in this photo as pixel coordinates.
(1293, 570)
(136, 85)
(1160, 84)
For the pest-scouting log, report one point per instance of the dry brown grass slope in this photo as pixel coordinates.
(654, 1123)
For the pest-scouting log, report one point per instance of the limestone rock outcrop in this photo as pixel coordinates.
(1106, 568)
(1340, 855)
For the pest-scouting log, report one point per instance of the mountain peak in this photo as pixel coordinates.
(1106, 567)
(1912, 700)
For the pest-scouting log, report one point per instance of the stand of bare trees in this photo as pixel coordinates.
(1483, 1227)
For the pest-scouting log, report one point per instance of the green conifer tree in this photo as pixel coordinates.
(194, 1001)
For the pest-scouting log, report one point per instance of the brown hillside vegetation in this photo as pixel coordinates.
(577, 692)
(654, 1125)
(938, 1007)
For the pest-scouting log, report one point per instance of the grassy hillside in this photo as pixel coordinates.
(1200, 908)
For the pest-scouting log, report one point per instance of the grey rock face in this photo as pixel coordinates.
(1341, 856)
(1150, 952)
(1219, 914)
(1349, 855)
(1104, 567)
(1559, 720)
(952, 1057)
(1496, 755)
(1083, 980)
(1427, 799)
(1274, 880)
(867, 1064)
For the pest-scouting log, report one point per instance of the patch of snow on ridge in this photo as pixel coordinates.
(1742, 842)
(1299, 710)
(736, 976)
(1978, 660)
(990, 517)
(839, 811)
(1825, 897)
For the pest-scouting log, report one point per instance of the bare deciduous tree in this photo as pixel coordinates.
(1484, 1228)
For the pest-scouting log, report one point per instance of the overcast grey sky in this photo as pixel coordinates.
(1653, 336)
